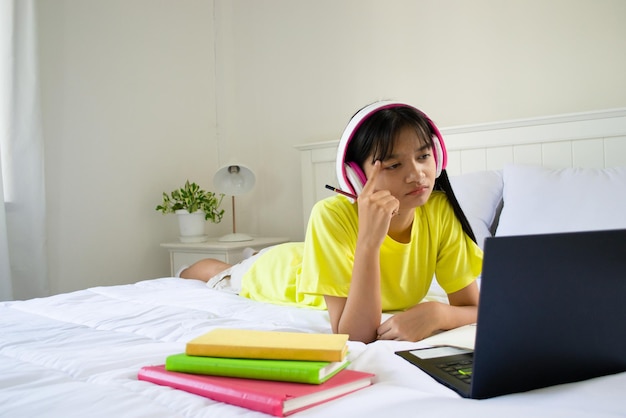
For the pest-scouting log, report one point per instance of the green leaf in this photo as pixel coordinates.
(192, 198)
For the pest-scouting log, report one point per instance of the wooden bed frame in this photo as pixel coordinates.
(589, 139)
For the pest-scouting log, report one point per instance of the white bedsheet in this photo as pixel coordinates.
(77, 355)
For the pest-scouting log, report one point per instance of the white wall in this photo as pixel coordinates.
(139, 95)
(292, 72)
(129, 112)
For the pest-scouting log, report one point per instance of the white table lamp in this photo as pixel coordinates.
(234, 180)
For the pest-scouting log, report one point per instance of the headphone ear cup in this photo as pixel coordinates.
(356, 177)
(439, 154)
(439, 147)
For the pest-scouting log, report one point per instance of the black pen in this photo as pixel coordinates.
(336, 190)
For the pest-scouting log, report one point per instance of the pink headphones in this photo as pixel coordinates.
(350, 176)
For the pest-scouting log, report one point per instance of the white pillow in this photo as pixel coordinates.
(479, 195)
(539, 200)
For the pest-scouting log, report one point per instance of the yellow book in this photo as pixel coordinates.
(278, 345)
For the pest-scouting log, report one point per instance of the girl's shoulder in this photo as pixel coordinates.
(334, 204)
(332, 213)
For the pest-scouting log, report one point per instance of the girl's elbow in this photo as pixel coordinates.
(360, 335)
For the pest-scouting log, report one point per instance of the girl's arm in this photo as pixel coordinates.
(423, 319)
(359, 314)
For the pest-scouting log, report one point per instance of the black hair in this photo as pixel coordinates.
(375, 137)
(443, 183)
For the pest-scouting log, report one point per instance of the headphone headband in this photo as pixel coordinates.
(346, 178)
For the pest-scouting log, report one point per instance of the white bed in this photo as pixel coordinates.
(77, 354)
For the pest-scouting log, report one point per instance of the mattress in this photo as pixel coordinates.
(78, 354)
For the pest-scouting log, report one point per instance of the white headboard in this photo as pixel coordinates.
(590, 139)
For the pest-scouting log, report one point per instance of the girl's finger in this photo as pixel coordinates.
(370, 184)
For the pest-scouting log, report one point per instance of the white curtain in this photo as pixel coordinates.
(23, 265)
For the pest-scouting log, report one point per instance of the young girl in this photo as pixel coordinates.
(378, 253)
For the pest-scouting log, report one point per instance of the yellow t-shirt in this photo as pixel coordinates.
(300, 274)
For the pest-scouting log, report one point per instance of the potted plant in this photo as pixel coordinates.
(193, 207)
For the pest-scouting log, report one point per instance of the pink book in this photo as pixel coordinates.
(271, 397)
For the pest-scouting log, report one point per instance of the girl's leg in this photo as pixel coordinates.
(204, 269)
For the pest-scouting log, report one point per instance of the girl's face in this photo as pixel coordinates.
(409, 172)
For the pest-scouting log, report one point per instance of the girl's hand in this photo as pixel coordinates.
(376, 208)
(415, 324)
(424, 319)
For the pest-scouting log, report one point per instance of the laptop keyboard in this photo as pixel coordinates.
(462, 370)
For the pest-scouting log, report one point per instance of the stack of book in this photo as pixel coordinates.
(274, 372)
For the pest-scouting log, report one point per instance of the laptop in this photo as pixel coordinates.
(552, 310)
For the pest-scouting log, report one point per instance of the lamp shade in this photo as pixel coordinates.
(234, 179)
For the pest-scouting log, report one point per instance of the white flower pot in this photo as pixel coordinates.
(191, 226)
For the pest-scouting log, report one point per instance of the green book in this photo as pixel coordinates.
(314, 372)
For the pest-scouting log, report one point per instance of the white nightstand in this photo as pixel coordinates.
(182, 254)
